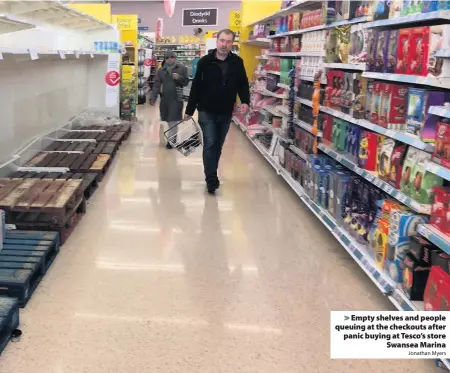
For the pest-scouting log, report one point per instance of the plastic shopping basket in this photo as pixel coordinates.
(185, 136)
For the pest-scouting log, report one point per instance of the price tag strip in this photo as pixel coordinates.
(435, 236)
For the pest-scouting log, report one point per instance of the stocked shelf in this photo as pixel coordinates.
(276, 131)
(397, 135)
(299, 152)
(302, 4)
(411, 19)
(284, 54)
(441, 111)
(432, 234)
(389, 189)
(259, 42)
(306, 126)
(438, 170)
(357, 251)
(346, 66)
(275, 112)
(411, 79)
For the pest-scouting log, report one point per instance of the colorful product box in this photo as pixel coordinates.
(403, 63)
(396, 167)
(421, 250)
(440, 207)
(384, 159)
(368, 150)
(369, 98)
(381, 51)
(394, 100)
(359, 102)
(410, 160)
(419, 44)
(438, 67)
(419, 122)
(422, 181)
(390, 63)
(430, 6)
(437, 291)
(414, 279)
(442, 149)
(380, 242)
(381, 10)
(378, 89)
(359, 44)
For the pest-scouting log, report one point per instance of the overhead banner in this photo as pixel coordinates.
(200, 17)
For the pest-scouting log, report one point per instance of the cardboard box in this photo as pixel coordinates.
(415, 278)
(438, 67)
(403, 63)
(419, 44)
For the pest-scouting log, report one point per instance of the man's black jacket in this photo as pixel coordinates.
(214, 92)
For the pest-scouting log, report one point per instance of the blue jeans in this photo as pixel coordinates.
(215, 128)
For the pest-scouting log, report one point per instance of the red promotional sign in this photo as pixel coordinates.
(147, 62)
(159, 28)
(112, 78)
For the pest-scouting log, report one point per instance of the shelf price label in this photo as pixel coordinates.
(62, 55)
(401, 197)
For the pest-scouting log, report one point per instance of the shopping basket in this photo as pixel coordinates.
(185, 136)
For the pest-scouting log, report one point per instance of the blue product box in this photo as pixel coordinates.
(322, 188)
(430, 6)
(343, 198)
(419, 122)
(403, 225)
(335, 181)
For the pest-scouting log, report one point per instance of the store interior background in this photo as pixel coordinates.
(150, 11)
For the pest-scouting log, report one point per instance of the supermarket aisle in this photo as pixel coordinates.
(160, 277)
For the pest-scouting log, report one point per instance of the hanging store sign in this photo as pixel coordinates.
(112, 80)
(200, 17)
(159, 28)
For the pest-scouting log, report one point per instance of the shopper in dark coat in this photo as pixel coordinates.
(169, 82)
(220, 77)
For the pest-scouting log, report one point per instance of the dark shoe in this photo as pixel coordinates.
(168, 146)
(211, 187)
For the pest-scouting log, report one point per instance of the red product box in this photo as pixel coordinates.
(442, 149)
(418, 55)
(403, 63)
(291, 22)
(397, 159)
(327, 127)
(394, 100)
(440, 208)
(437, 291)
(368, 150)
(336, 93)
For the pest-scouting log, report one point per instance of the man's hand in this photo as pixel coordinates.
(175, 76)
(244, 108)
(187, 117)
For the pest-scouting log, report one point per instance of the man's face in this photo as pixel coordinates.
(225, 43)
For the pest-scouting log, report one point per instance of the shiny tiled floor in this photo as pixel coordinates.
(160, 277)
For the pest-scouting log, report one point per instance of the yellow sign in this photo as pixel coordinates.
(125, 21)
(127, 72)
(235, 19)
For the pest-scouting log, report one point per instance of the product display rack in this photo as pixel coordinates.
(364, 258)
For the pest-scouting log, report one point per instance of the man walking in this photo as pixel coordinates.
(220, 77)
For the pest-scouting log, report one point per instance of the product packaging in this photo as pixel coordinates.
(414, 279)
(369, 99)
(442, 149)
(381, 51)
(421, 181)
(368, 150)
(359, 43)
(421, 250)
(403, 62)
(394, 100)
(407, 175)
(437, 291)
(359, 102)
(384, 159)
(378, 89)
(392, 52)
(372, 50)
(438, 67)
(419, 122)
(418, 56)
(440, 208)
(381, 10)
(396, 167)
